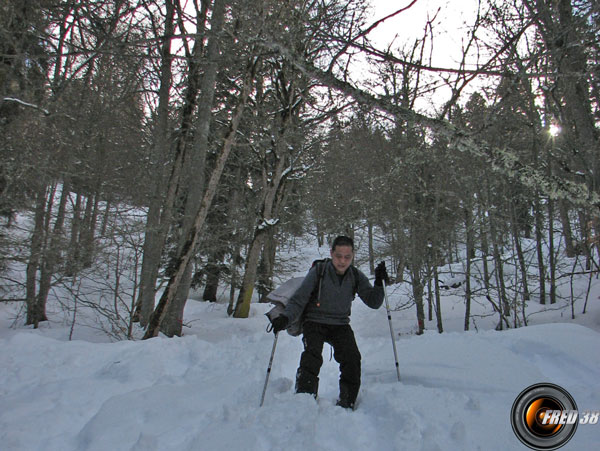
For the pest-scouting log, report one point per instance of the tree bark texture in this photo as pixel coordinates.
(191, 242)
(268, 208)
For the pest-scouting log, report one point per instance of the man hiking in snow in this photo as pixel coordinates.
(327, 318)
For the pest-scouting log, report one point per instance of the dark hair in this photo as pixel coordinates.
(342, 241)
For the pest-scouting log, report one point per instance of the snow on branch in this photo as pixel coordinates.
(268, 223)
(26, 104)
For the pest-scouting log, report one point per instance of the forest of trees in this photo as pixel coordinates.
(166, 145)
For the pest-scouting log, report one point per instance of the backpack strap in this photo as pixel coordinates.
(356, 279)
(320, 273)
(321, 265)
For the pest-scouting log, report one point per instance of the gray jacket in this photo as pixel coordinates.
(336, 298)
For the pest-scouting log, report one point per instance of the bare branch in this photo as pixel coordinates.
(505, 160)
(26, 104)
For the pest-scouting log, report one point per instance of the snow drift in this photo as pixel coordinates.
(201, 391)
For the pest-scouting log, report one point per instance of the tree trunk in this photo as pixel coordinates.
(470, 249)
(213, 271)
(567, 231)
(191, 242)
(272, 190)
(152, 251)
(589, 239)
(266, 265)
(539, 234)
(88, 231)
(438, 300)
(73, 256)
(486, 273)
(498, 264)
(52, 256)
(105, 217)
(155, 230)
(503, 301)
(320, 235)
(34, 315)
(236, 258)
(250, 270)
(242, 308)
(551, 258)
(429, 298)
(84, 231)
(197, 157)
(172, 324)
(417, 288)
(521, 258)
(371, 252)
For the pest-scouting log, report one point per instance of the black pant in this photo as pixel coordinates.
(345, 352)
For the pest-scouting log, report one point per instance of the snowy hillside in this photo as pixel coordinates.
(202, 391)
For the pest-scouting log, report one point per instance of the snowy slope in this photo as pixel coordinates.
(202, 391)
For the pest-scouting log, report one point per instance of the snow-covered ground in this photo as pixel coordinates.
(202, 391)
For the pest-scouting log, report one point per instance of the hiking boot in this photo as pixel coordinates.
(307, 383)
(348, 395)
(346, 404)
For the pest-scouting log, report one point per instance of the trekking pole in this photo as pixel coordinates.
(387, 307)
(262, 398)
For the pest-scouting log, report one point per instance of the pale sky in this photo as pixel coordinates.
(449, 29)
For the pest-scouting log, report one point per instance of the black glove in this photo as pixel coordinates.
(381, 275)
(280, 323)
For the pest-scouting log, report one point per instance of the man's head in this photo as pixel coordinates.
(342, 253)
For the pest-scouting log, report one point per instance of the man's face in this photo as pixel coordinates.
(341, 258)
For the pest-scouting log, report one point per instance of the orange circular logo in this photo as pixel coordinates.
(544, 417)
